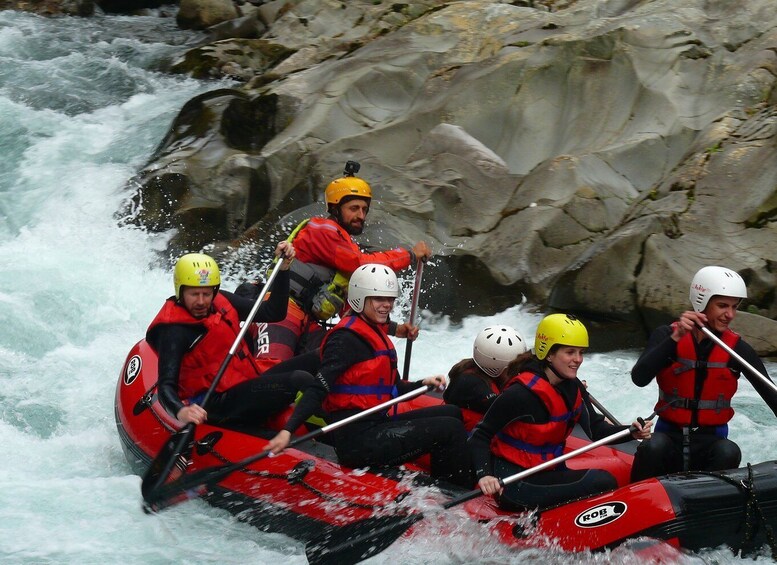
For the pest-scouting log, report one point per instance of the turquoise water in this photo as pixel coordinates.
(82, 108)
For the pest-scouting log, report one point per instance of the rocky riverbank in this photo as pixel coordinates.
(590, 155)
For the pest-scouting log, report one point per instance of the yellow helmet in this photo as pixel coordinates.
(347, 186)
(559, 329)
(195, 269)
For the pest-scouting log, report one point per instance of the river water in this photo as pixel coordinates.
(83, 107)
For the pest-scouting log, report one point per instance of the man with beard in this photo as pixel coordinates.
(326, 256)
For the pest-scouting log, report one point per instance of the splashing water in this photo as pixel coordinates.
(82, 111)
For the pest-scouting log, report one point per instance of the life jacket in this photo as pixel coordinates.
(677, 385)
(318, 289)
(368, 383)
(528, 444)
(201, 363)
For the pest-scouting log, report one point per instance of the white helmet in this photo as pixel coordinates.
(371, 280)
(712, 281)
(495, 347)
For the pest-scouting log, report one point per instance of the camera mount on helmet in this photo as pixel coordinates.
(351, 168)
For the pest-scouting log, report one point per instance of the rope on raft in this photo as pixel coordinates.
(754, 514)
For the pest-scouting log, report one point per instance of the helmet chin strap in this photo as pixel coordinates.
(552, 368)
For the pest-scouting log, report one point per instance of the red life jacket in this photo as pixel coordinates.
(677, 384)
(527, 444)
(371, 382)
(201, 363)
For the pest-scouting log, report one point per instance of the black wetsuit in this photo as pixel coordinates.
(707, 448)
(386, 439)
(549, 487)
(466, 389)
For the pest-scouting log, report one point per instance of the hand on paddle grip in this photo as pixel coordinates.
(437, 381)
(490, 485)
(687, 321)
(286, 250)
(422, 251)
(192, 414)
(640, 429)
(406, 331)
(279, 442)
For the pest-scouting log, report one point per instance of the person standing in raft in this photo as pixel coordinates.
(192, 335)
(326, 257)
(530, 420)
(359, 371)
(476, 382)
(696, 381)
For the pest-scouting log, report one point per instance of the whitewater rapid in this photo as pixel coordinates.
(83, 106)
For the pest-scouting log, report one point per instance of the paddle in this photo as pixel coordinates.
(413, 307)
(607, 414)
(160, 468)
(363, 539)
(193, 484)
(738, 357)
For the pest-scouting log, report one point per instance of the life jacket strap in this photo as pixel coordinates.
(676, 401)
(547, 450)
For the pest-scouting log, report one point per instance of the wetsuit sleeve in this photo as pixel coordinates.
(403, 387)
(468, 391)
(342, 349)
(171, 342)
(515, 403)
(766, 392)
(660, 351)
(273, 309)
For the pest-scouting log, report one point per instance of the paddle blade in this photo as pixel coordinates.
(356, 542)
(169, 464)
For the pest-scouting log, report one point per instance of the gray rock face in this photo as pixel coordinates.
(592, 157)
(201, 14)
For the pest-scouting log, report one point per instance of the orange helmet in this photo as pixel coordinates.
(347, 185)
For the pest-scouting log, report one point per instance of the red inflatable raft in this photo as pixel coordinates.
(304, 493)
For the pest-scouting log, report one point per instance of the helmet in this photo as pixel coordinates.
(195, 269)
(559, 329)
(371, 280)
(711, 281)
(495, 347)
(347, 186)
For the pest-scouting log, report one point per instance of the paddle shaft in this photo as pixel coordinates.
(241, 334)
(215, 474)
(358, 541)
(542, 466)
(413, 308)
(187, 431)
(738, 357)
(603, 410)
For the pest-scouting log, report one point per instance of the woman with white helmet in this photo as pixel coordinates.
(476, 381)
(529, 422)
(696, 380)
(359, 371)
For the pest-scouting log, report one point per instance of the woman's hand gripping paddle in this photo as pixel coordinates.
(162, 465)
(360, 540)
